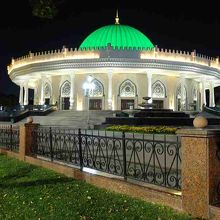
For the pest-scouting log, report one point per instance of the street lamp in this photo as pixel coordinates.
(88, 87)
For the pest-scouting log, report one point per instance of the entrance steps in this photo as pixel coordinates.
(155, 117)
(100, 119)
(71, 118)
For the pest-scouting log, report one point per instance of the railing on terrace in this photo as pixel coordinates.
(156, 53)
(9, 137)
(151, 158)
(213, 110)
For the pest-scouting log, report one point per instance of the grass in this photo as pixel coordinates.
(31, 192)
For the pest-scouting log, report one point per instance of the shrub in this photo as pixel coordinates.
(143, 129)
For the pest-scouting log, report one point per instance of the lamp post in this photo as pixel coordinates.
(88, 86)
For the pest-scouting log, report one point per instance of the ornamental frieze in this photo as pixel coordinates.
(114, 63)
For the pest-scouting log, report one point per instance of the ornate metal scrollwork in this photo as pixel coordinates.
(9, 137)
(127, 89)
(148, 158)
(158, 90)
(65, 89)
(47, 90)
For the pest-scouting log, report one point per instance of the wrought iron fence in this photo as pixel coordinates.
(9, 137)
(150, 158)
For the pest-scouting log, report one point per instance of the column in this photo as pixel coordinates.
(42, 100)
(212, 95)
(36, 98)
(21, 95)
(203, 96)
(149, 87)
(182, 94)
(72, 77)
(198, 94)
(26, 93)
(110, 90)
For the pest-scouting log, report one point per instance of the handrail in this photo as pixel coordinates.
(212, 110)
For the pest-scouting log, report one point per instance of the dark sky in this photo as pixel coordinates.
(175, 25)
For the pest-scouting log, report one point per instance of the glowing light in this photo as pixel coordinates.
(52, 56)
(88, 86)
(88, 170)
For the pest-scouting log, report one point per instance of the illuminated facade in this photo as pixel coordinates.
(125, 67)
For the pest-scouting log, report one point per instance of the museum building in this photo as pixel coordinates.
(114, 68)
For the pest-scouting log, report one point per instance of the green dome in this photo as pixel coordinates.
(118, 36)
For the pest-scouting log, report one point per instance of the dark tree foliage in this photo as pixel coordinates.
(8, 100)
(46, 9)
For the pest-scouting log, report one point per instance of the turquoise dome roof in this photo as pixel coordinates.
(118, 36)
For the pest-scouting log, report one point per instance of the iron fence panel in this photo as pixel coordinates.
(9, 137)
(150, 158)
(154, 160)
(57, 144)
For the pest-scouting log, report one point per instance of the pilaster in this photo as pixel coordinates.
(72, 77)
(26, 93)
(110, 90)
(149, 87)
(21, 95)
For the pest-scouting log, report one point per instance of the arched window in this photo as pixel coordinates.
(158, 90)
(98, 90)
(47, 90)
(127, 89)
(65, 89)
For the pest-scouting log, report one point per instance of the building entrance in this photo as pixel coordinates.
(127, 103)
(65, 103)
(158, 104)
(95, 104)
(47, 101)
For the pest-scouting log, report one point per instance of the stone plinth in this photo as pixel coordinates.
(200, 170)
(26, 139)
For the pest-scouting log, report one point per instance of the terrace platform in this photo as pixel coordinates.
(162, 117)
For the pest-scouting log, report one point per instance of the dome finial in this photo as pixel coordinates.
(117, 18)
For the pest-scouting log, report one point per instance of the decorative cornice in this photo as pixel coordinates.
(115, 63)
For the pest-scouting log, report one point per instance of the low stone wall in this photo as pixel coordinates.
(9, 153)
(146, 192)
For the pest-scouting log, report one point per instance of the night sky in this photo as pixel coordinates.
(178, 25)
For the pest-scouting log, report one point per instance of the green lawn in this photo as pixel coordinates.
(30, 192)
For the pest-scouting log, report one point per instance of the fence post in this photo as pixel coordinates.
(11, 137)
(124, 156)
(80, 149)
(200, 170)
(51, 144)
(26, 139)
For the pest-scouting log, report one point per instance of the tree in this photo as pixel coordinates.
(8, 100)
(46, 9)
